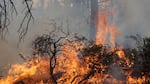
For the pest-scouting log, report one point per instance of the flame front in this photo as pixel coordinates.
(71, 69)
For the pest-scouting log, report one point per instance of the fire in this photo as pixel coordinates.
(120, 53)
(106, 32)
(77, 64)
(71, 62)
(35, 69)
(70, 69)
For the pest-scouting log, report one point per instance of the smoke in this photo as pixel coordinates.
(133, 16)
(43, 11)
(8, 56)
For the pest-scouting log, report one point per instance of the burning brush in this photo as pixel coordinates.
(60, 58)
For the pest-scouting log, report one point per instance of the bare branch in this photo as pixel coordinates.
(28, 17)
(7, 8)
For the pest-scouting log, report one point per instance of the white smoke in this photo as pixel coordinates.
(133, 16)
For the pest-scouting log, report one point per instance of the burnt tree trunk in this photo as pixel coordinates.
(52, 65)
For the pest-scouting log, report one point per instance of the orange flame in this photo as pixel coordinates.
(106, 32)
